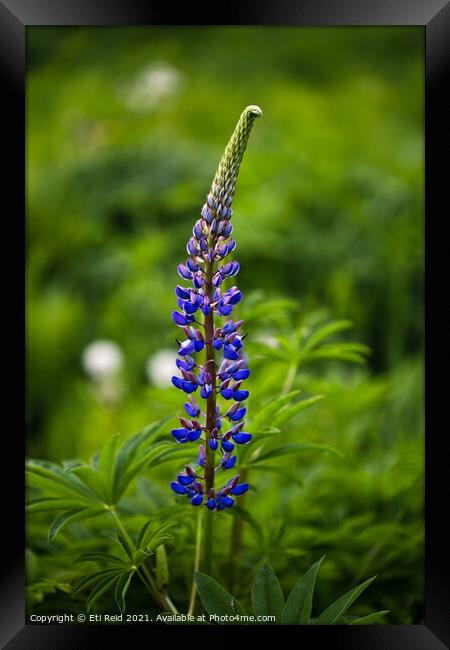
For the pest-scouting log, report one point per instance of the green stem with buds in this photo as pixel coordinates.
(210, 366)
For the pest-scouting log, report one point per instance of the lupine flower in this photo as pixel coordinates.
(204, 315)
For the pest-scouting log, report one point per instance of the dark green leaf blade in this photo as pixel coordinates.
(297, 610)
(332, 613)
(267, 597)
(370, 618)
(215, 599)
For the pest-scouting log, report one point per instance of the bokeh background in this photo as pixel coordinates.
(125, 127)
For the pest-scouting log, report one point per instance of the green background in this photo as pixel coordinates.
(125, 128)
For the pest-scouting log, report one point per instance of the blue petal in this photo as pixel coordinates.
(241, 438)
(240, 395)
(188, 387)
(240, 488)
(238, 415)
(228, 501)
(230, 353)
(213, 444)
(184, 272)
(206, 391)
(225, 310)
(194, 434)
(190, 410)
(227, 445)
(235, 298)
(179, 434)
(226, 393)
(197, 500)
(188, 307)
(187, 347)
(185, 479)
(179, 489)
(241, 374)
(228, 464)
(180, 319)
(182, 293)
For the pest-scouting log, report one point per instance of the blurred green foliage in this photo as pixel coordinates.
(124, 131)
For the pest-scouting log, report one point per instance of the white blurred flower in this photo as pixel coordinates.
(102, 360)
(161, 367)
(154, 84)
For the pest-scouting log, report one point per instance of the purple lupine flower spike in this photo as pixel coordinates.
(218, 376)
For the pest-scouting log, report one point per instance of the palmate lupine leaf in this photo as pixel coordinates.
(267, 597)
(353, 352)
(103, 557)
(265, 415)
(71, 516)
(54, 479)
(291, 448)
(122, 584)
(45, 504)
(289, 412)
(94, 578)
(324, 332)
(153, 535)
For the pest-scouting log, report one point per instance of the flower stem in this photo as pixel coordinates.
(210, 366)
(236, 537)
(161, 598)
(198, 550)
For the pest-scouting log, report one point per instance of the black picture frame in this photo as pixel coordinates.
(434, 17)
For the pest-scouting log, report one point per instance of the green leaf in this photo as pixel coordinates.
(139, 556)
(284, 472)
(331, 614)
(128, 452)
(121, 589)
(264, 417)
(288, 412)
(93, 578)
(69, 517)
(325, 331)
(297, 610)
(370, 618)
(55, 476)
(354, 352)
(153, 535)
(45, 504)
(92, 479)
(267, 597)
(291, 448)
(215, 599)
(102, 557)
(100, 588)
(124, 545)
(152, 454)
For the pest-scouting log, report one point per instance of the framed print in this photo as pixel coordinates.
(229, 323)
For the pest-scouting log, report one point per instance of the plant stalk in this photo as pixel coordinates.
(198, 551)
(210, 366)
(161, 598)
